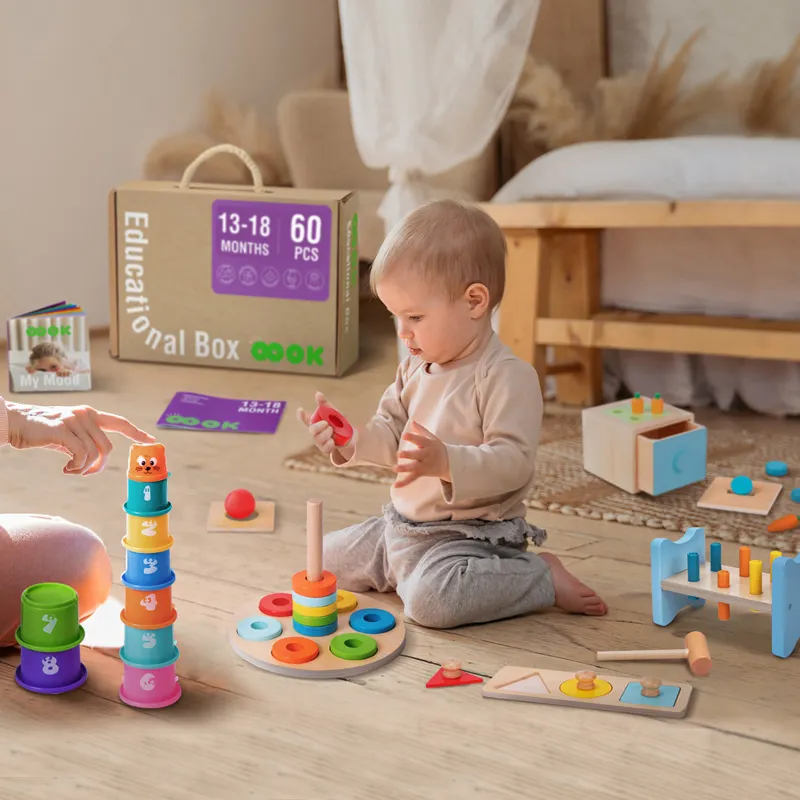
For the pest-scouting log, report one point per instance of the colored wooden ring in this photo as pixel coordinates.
(259, 629)
(322, 588)
(346, 601)
(314, 602)
(353, 646)
(372, 621)
(314, 622)
(295, 650)
(311, 611)
(277, 604)
(317, 630)
(342, 429)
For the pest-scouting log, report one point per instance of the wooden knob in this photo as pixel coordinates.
(651, 687)
(585, 680)
(451, 668)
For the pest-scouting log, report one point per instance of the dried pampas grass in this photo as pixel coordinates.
(656, 103)
(768, 101)
(226, 123)
(646, 105)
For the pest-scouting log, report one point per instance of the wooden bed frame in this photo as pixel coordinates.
(552, 293)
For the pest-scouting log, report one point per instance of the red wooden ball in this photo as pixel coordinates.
(240, 504)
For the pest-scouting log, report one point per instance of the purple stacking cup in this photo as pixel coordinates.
(51, 673)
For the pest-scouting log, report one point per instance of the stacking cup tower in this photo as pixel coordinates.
(50, 636)
(314, 594)
(150, 651)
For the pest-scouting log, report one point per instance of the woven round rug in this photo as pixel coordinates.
(738, 444)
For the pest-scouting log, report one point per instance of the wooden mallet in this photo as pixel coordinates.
(696, 654)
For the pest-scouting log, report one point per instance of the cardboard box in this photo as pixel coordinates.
(234, 276)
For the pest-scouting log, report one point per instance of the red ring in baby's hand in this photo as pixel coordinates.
(342, 429)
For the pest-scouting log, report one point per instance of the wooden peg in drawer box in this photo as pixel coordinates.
(642, 448)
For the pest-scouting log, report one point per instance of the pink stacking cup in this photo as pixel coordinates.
(149, 688)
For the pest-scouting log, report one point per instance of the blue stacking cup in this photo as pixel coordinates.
(153, 648)
(147, 569)
(147, 498)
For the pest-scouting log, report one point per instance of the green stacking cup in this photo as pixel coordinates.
(49, 617)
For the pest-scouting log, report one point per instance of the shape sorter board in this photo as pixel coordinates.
(611, 693)
(325, 665)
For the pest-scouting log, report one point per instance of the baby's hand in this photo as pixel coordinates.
(429, 457)
(320, 431)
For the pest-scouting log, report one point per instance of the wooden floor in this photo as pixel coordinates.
(238, 732)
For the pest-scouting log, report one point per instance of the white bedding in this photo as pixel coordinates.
(742, 272)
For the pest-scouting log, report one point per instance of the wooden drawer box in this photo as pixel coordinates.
(646, 452)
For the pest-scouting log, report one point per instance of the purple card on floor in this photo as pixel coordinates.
(202, 412)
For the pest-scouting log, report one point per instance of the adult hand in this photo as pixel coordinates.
(77, 431)
(428, 458)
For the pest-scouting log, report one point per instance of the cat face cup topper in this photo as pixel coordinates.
(147, 463)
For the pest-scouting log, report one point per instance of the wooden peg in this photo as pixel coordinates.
(585, 680)
(651, 687)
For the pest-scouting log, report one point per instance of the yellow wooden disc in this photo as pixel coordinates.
(310, 611)
(570, 688)
(346, 601)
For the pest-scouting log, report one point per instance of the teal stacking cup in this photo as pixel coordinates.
(149, 648)
(49, 619)
(147, 498)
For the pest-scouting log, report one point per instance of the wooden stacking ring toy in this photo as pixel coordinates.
(333, 633)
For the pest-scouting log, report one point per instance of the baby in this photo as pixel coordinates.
(49, 357)
(460, 426)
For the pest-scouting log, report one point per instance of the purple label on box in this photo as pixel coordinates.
(280, 250)
(202, 412)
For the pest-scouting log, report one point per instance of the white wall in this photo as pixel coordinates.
(737, 32)
(88, 85)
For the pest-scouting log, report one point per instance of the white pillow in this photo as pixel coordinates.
(692, 167)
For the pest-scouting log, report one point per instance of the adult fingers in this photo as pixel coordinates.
(406, 468)
(320, 399)
(78, 447)
(117, 424)
(103, 445)
(303, 416)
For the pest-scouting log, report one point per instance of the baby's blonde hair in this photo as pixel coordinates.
(447, 242)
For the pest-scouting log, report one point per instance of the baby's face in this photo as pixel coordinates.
(47, 364)
(431, 325)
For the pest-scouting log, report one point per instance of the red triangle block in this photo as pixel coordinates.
(438, 680)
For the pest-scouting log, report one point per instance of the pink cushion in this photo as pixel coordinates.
(37, 548)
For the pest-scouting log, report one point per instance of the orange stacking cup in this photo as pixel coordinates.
(149, 608)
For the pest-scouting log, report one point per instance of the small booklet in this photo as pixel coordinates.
(48, 350)
(203, 412)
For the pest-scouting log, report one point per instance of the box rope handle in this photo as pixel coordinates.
(258, 180)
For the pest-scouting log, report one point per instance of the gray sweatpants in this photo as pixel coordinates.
(446, 573)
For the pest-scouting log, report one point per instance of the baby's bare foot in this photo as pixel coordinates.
(571, 594)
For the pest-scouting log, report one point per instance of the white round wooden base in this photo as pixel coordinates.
(325, 665)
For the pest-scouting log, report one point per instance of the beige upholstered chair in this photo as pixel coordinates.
(317, 138)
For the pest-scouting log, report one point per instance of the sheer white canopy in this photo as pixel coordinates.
(429, 83)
